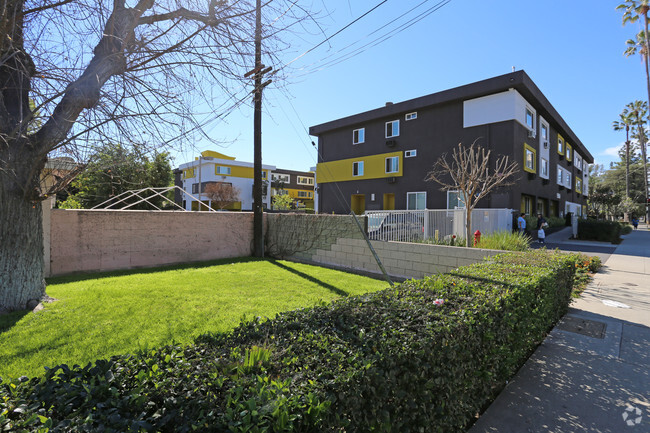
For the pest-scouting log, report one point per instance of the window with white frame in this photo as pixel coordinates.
(305, 194)
(577, 160)
(305, 180)
(359, 136)
(455, 200)
(579, 185)
(530, 119)
(544, 132)
(392, 164)
(222, 170)
(560, 176)
(410, 153)
(544, 168)
(411, 116)
(392, 128)
(357, 168)
(567, 179)
(281, 177)
(416, 200)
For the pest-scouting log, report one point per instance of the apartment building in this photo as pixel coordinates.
(216, 168)
(299, 185)
(379, 159)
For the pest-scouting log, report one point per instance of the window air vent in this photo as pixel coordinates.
(391, 143)
(392, 179)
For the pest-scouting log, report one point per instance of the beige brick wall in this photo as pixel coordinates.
(98, 240)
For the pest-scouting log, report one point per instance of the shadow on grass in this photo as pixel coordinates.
(8, 320)
(314, 280)
(196, 265)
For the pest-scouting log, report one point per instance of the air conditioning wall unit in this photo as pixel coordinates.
(392, 179)
(532, 133)
(391, 143)
(546, 145)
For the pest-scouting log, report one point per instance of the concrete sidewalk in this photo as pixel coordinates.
(592, 373)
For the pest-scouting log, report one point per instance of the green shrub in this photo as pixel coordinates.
(424, 356)
(596, 230)
(555, 221)
(504, 240)
(626, 229)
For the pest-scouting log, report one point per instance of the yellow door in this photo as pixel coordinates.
(358, 203)
(389, 201)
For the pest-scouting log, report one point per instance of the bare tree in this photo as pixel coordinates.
(222, 194)
(469, 173)
(75, 73)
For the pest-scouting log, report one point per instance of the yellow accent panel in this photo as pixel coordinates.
(188, 173)
(213, 154)
(560, 144)
(374, 167)
(293, 193)
(235, 171)
(569, 154)
(534, 169)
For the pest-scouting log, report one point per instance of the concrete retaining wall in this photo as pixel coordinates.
(99, 240)
(335, 240)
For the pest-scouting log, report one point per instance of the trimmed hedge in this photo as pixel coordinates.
(424, 356)
(597, 230)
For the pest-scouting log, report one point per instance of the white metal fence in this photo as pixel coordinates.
(435, 224)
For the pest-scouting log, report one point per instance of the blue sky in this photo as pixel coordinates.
(573, 51)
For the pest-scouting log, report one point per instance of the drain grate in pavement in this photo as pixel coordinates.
(586, 327)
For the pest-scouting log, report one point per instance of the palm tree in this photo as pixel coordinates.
(624, 122)
(633, 10)
(640, 120)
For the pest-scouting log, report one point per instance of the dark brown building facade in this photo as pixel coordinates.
(379, 159)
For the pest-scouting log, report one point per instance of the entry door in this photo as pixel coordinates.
(389, 201)
(358, 203)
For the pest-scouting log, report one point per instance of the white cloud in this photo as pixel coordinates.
(611, 151)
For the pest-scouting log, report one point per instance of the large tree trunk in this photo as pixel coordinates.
(21, 250)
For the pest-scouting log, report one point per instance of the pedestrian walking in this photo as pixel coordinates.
(635, 222)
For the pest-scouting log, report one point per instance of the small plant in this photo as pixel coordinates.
(504, 240)
(256, 357)
(282, 202)
(585, 266)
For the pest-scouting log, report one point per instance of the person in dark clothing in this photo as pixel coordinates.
(635, 222)
(541, 234)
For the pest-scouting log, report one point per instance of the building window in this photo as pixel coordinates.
(529, 159)
(544, 168)
(577, 160)
(195, 188)
(412, 116)
(281, 177)
(305, 194)
(569, 155)
(455, 200)
(560, 176)
(357, 168)
(579, 185)
(567, 179)
(410, 153)
(222, 170)
(560, 145)
(544, 134)
(359, 136)
(392, 129)
(188, 174)
(305, 180)
(264, 174)
(416, 200)
(530, 119)
(392, 164)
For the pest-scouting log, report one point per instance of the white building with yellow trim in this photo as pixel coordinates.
(213, 167)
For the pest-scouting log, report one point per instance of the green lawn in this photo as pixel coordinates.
(100, 315)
